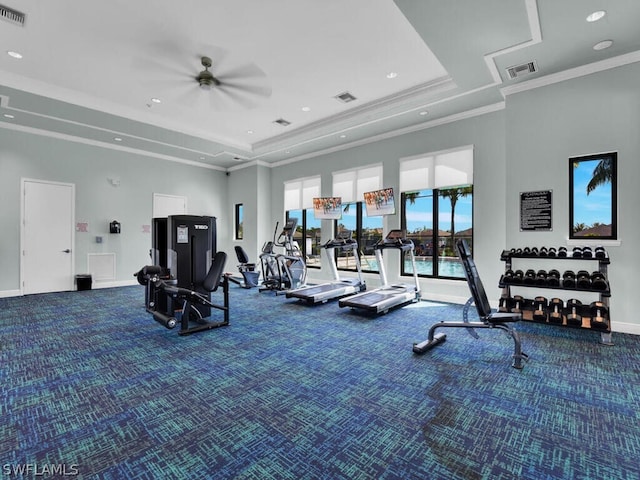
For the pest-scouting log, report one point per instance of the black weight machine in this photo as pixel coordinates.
(488, 319)
(185, 271)
(191, 302)
(246, 269)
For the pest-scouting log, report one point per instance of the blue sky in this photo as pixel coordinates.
(595, 207)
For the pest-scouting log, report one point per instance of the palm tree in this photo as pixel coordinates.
(454, 194)
(603, 173)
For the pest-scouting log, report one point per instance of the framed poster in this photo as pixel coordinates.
(535, 211)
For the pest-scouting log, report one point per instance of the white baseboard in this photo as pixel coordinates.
(9, 293)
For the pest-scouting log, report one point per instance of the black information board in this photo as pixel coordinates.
(535, 211)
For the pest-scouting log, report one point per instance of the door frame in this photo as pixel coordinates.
(23, 182)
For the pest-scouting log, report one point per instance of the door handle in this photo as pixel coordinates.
(66, 251)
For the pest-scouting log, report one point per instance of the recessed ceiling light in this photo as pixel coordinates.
(14, 54)
(201, 158)
(343, 136)
(306, 109)
(595, 16)
(249, 131)
(392, 75)
(424, 112)
(603, 45)
(8, 115)
(117, 139)
(287, 151)
(156, 100)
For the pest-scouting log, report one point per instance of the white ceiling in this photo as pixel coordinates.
(90, 68)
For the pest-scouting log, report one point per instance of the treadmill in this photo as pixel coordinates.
(338, 287)
(388, 296)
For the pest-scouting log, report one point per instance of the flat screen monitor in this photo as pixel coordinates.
(327, 208)
(380, 202)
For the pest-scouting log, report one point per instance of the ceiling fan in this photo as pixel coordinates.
(205, 77)
(241, 84)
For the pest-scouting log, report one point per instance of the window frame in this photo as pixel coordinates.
(435, 238)
(613, 156)
(238, 230)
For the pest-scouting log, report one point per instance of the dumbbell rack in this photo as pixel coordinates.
(584, 310)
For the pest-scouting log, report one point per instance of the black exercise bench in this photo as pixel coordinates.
(488, 319)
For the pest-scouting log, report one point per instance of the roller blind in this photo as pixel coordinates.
(351, 185)
(299, 194)
(439, 170)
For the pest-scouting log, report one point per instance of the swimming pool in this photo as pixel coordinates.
(447, 267)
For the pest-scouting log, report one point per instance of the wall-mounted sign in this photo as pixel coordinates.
(535, 211)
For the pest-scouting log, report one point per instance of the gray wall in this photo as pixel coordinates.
(523, 147)
(545, 127)
(485, 133)
(24, 155)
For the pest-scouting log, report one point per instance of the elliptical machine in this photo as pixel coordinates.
(283, 271)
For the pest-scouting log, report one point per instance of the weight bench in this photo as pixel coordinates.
(188, 299)
(488, 319)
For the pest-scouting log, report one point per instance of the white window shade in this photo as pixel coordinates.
(299, 194)
(344, 186)
(414, 174)
(352, 184)
(447, 169)
(454, 168)
(310, 190)
(369, 179)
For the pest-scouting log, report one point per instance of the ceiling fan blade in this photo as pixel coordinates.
(249, 70)
(257, 90)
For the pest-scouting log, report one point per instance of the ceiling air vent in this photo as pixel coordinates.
(345, 97)
(11, 15)
(518, 71)
(282, 122)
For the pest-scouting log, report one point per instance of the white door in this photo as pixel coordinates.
(47, 236)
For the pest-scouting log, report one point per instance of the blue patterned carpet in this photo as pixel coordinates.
(91, 384)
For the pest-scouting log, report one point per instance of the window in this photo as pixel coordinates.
(298, 203)
(367, 231)
(437, 209)
(593, 197)
(308, 235)
(238, 221)
(351, 186)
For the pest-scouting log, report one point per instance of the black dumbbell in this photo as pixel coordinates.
(599, 281)
(587, 252)
(562, 251)
(600, 252)
(519, 251)
(518, 304)
(505, 304)
(535, 252)
(583, 279)
(526, 251)
(508, 276)
(518, 276)
(555, 310)
(577, 252)
(541, 277)
(540, 309)
(529, 277)
(569, 279)
(552, 252)
(553, 278)
(599, 316)
(573, 318)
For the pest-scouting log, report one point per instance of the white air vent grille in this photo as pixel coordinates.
(345, 97)
(518, 71)
(11, 15)
(282, 122)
